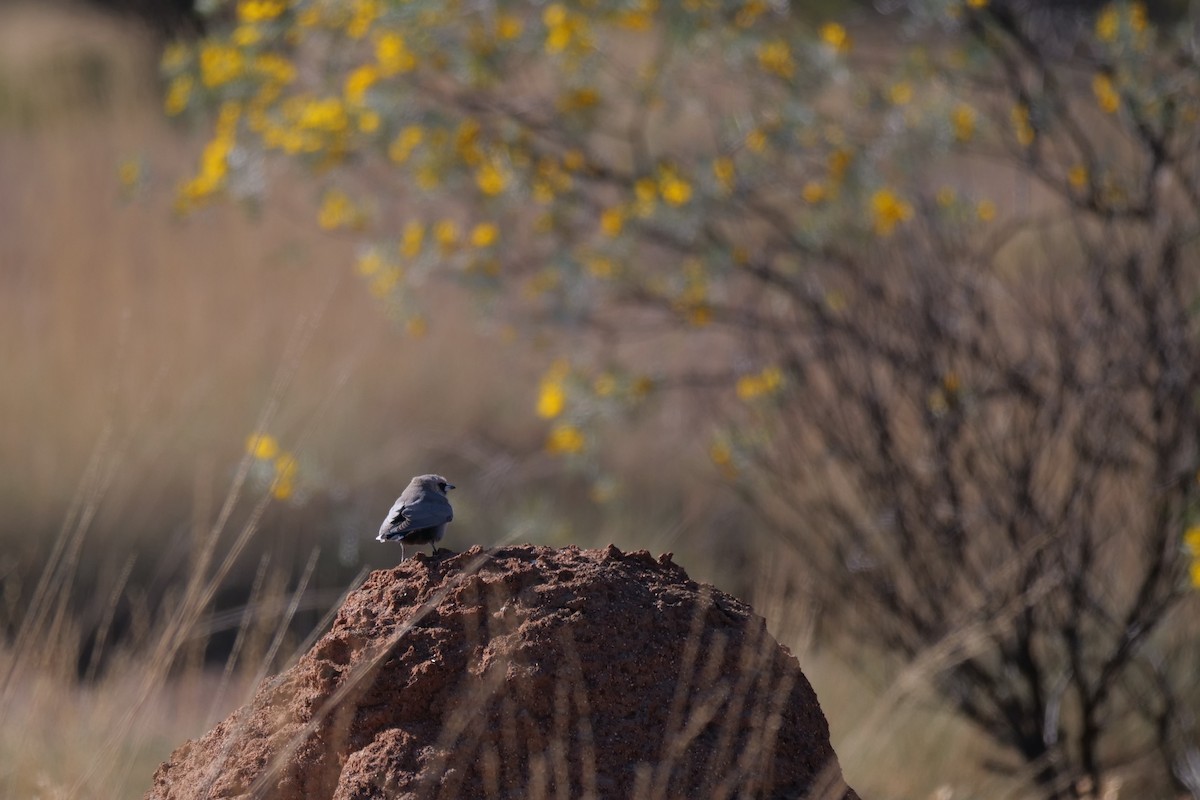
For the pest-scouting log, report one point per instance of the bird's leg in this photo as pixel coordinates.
(433, 547)
(402, 551)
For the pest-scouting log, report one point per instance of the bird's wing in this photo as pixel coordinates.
(429, 510)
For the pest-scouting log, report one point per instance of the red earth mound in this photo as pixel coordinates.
(525, 672)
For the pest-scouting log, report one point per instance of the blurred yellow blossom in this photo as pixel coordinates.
(485, 234)
(977, 3)
(721, 455)
(1106, 93)
(612, 220)
(246, 35)
(446, 234)
(412, 238)
(179, 93)
(1021, 126)
(259, 10)
(835, 35)
(491, 178)
(363, 16)
(813, 192)
(416, 326)
(1191, 539)
(552, 395)
(393, 55)
(284, 483)
(262, 446)
(946, 196)
(220, 64)
(358, 82)
(338, 211)
(986, 210)
(901, 94)
(1078, 176)
(756, 141)
(767, 382)
(723, 170)
(963, 119)
(675, 189)
(565, 439)
(839, 162)
(604, 385)
(405, 142)
(776, 57)
(370, 262)
(508, 26)
(888, 209)
(1108, 23)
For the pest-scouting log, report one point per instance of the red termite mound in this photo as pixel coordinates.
(525, 672)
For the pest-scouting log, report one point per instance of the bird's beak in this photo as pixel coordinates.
(449, 486)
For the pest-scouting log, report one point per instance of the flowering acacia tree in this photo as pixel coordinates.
(964, 412)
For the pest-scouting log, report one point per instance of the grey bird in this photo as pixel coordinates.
(420, 514)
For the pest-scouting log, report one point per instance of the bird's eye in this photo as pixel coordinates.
(442, 485)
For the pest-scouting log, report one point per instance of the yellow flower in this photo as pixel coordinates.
(760, 384)
(963, 118)
(675, 189)
(611, 221)
(720, 454)
(365, 12)
(1191, 539)
(337, 211)
(246, 35)
(491, 179)
(565, 439)
(393, 54)
(605, 385)
(839, 162)
(776, 57)
(1106, 93)
(1078, 176)
(1108, 23)
(1194, 572)
(260, 10)
(358, 82)
(888, 209)
(446, 234)
(977, 3)
(174, 56)
(485, 234)
(370, 262)
(986, 210)
(551, 399)
(1021, 125)
(835, 35)
(901, 94)
(756, 141)
(262, 446)
(411, 239)
(813, 192)
(405, 142)
(724, 172)
(284, 483)
(508, 26)
(416, 326)
(220, 64)
(179, 92)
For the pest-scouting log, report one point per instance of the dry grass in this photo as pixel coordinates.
(139, 353)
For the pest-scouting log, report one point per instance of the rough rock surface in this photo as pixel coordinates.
(525, 672)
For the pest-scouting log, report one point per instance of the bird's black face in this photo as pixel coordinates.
(443, 486)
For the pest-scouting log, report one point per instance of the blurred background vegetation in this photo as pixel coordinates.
(204, 414)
